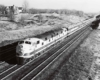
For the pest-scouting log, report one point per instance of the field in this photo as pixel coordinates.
(28, 25)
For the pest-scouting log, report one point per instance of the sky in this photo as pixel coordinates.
(83, 5)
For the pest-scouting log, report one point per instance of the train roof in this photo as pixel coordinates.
(32, 39)
(52, 32)
(44, 35)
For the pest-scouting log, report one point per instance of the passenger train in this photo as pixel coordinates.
(30, 48)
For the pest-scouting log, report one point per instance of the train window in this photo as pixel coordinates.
(57, 33)
(38, 42)
(51, 35)
(21, 42)
(31, 53)
(42, 43)
(45, 38)
(27, 42)
(25, 54)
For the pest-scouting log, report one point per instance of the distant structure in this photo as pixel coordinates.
(13, 9)
(96, 23)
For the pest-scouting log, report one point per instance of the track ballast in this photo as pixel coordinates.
(34, 68)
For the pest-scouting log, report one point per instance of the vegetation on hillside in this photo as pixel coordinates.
(31, 19)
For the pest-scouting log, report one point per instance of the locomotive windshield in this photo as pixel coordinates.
(21, 42)
(27, 42)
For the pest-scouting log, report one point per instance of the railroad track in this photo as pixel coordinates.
(35, 73)
(33, 68)
(11, 58)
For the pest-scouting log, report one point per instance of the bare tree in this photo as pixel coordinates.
(25, 6)
(11, 14)
(2, 9)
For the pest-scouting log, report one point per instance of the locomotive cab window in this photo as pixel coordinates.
(67, 29)
(42, 43)
(46, 38)
(38, 42)
(27, 42)
(21, 42)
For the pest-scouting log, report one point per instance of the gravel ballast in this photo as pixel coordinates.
(84, 64)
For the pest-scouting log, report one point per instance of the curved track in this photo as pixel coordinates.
(34, 68)
(34, 73)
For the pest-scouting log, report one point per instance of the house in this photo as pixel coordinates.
(13, 9)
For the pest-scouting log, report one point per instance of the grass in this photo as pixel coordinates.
(23, 33)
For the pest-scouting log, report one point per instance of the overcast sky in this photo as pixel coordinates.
(84, 5)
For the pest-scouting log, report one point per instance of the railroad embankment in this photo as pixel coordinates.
(84, 64)
(55, 66)
(11, 32)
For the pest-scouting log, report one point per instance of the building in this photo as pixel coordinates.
(13, 9)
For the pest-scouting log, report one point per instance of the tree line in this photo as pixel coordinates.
(37, 11)
(26, 9)
(59, 11)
